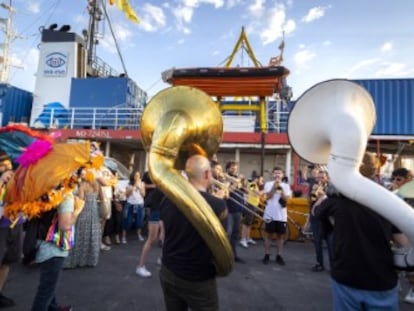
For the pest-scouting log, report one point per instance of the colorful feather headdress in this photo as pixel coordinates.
(45, 175)
(14, 139)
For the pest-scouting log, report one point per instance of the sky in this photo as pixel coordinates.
(354, 39)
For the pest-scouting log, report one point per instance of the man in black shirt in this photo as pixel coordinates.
(188, 273)
(362, 270)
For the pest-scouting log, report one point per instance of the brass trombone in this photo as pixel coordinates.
(246, 207)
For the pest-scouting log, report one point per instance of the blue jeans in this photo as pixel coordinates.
(233, 229)
(353, 299)
(45, 299)
(131, 211)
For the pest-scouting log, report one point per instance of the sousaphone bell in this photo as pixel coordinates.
(330, 124)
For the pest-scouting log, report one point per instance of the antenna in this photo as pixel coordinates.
(6, 27)
(95, 15)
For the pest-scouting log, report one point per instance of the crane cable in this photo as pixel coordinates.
(114, 37)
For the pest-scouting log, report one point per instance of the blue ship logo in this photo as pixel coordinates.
(60, 115)
(56, 60)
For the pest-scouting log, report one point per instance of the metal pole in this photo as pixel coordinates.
(262, 154)
(263, 130)
(92, 20)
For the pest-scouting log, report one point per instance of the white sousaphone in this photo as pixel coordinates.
(330, 125)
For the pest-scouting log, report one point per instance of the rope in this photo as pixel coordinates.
(114, 37)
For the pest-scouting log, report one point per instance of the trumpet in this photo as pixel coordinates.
(317, 191)
(278, 186)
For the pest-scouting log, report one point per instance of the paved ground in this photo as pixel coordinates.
(113, 285)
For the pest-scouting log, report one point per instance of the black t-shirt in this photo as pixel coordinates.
(362, 256)
(184, 251)
(235, 201)
(146, 179)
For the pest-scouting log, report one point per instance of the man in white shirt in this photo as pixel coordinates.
(275, 214)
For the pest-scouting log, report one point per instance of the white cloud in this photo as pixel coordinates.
(197, 3)
(152, 18)
(81, 20)
(215, 53)
(361, 65)
(392, 70)
(289, 26)
(33, 7)
(233, 3)
(314, 14)
(24, 77)
(275, 24)
(122, 34)
(257, 8)
(303, 57)
(183, 14)
(327, 43)
(386, 47)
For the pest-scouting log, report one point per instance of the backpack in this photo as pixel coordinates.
(36, 229)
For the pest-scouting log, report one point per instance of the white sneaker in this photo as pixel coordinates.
(159, 261)
(251, 241)
(409, 298)
(107, 240)
(123, 241)
(117, 240)
(143, 272)
(244, 243)
(141, 238)
(105, 247)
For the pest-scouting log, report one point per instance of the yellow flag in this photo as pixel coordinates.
(111, 2)
(124, 6)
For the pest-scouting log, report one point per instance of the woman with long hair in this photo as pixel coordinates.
(134, 206)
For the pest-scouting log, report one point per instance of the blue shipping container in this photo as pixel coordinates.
(394, 104)
(107, 92)
(15, 104)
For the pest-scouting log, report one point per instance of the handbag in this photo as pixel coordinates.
(62, 239)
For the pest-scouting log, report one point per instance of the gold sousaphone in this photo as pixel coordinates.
(179, 122)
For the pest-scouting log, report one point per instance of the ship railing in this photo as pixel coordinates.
(102, 69)
(93, 118)
(277, 121)
(129, 119)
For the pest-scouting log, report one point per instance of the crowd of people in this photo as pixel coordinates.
(109, 213)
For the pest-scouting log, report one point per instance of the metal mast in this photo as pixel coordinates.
(95, 16)
(6, 27)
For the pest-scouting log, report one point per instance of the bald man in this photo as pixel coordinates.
(188, 274)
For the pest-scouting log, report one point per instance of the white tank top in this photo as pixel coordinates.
(135, 197)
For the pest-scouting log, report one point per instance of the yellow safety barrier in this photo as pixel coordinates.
(298, 211)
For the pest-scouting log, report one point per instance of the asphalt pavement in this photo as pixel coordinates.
(113, 284)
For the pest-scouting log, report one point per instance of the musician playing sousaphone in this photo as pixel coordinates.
(275, 214)
(362, 269)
